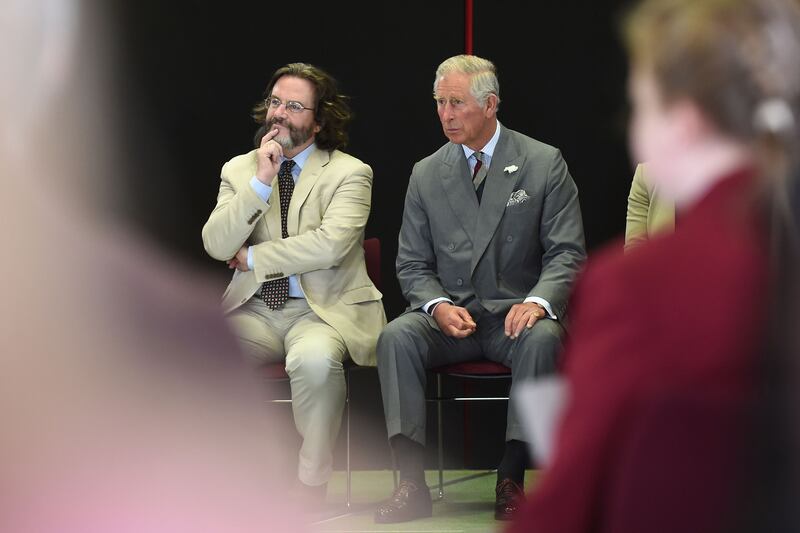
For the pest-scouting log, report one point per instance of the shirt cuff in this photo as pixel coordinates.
(263, 191)
(544, 303)
(250, 257)
(428, 307)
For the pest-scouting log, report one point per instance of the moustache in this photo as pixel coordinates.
(282, 122)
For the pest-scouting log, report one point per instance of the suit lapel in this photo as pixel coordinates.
(498, 189)
(305, 182)
(458, 188)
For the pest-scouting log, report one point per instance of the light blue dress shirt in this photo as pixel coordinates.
(263, 191)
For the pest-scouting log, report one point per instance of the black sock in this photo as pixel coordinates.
(410, 458)
(515, 460)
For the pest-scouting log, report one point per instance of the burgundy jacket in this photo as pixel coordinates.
(661, 366)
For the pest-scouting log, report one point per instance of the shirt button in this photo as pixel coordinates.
(451, 246)
(509, 238)
(459, 282)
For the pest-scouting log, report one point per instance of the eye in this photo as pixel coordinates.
(440, 101)
(294, 106)
(274, 102)
(455, 102)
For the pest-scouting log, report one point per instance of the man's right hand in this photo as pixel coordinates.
(268, 158)
(454, 321)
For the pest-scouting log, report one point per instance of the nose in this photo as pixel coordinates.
(447, 111)
(280, 111)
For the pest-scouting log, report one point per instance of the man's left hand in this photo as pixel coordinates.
(522, 316)
(239, 261)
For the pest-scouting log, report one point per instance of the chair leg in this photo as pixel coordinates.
(394, 468)
(347, 430)
(439, 431)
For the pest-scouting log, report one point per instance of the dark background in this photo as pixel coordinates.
(191, 72)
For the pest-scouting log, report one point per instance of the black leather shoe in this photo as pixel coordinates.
(509, 497)
(408, 502)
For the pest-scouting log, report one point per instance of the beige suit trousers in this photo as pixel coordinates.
(313, 352)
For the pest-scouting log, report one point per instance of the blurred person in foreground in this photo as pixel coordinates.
(290, 218)
(120, 406)
(665, 368)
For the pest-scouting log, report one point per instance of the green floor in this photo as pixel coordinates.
(466, 507)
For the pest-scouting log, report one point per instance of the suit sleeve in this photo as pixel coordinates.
(561, 237)
(326, 246)
(233, 219)
(416, 259)
(638, 207)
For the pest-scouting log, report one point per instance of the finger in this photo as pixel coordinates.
(269, 136)
(460, 333)
(509, 323)
(532, 320)
(519, 323)
(275, 152)
(465, 317)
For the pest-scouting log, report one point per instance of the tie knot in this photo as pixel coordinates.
(286, 167)
(478, 156)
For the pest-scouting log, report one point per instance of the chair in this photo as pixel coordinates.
(277, 371)
(480, 369)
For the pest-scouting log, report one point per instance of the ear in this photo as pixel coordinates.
(491, 106)
(317, 127)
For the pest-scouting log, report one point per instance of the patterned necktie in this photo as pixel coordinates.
(275, 292)
(479, 174)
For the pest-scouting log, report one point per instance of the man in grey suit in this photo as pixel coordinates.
(491, 242)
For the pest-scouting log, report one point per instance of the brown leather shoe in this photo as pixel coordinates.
(509, 497)
(408, 502)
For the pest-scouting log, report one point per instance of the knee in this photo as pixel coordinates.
(545, 333)
(542, 345)
(315, 368)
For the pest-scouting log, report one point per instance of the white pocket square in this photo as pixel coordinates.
(510, 168)
(517, 197)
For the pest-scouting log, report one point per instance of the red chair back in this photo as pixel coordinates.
(372, 258)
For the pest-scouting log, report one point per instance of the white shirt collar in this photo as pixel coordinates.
(490, 146)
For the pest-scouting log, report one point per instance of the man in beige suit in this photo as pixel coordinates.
(290, 220)
(648, 212)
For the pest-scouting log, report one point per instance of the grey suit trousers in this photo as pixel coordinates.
(410, 344)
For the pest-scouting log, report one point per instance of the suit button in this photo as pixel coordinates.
(459, 282)
(451, 246)
(509, 238)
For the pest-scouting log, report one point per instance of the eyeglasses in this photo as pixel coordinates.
(292, 106)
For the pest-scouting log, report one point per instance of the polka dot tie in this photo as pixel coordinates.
(275, 292)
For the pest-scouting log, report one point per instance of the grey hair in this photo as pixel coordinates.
(482, 72)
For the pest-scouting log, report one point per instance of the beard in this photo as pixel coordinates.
(297, 136)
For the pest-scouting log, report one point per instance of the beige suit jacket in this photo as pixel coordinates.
(648, 213)
(327, 214)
